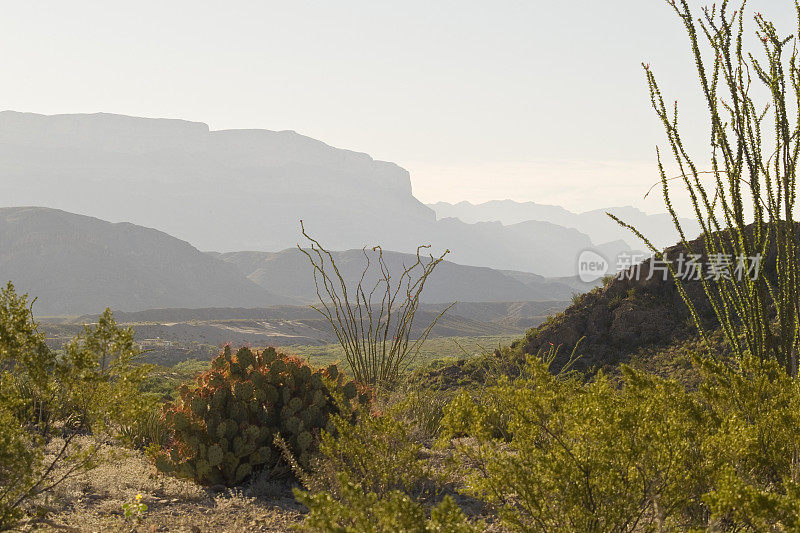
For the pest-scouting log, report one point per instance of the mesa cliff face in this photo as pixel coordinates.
(223, 190)
(237, 190)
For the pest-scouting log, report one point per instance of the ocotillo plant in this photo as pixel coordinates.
(754, 153)
(375, 336)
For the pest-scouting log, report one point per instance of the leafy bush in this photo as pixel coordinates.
(736, 501)
(398, 483)
(376, 450)
(580, 457)
(754, 443)
(421, 408)
(48, 399)
(360, 511)
(224, 428)
(147, 431)
(644, 453)
(102, 363)
(19, 462)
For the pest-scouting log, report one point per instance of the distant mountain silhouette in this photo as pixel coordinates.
(596, 224)
(76, 264)
(221, 190)
(247, 190)
(289, 273)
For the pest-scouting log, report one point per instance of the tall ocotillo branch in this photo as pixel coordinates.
(373, 324)
(761, 316)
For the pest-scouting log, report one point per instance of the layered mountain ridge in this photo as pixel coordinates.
(289, 272)
(595, 223)
(75, 264)
(237, 190)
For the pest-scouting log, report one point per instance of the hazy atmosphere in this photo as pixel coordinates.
(372, 267)
(540, 101)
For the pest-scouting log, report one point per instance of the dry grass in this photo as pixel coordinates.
(93, 502)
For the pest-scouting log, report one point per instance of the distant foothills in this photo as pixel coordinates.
(74, 264)
(242, 193)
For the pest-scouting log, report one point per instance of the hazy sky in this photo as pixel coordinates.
(534, 100)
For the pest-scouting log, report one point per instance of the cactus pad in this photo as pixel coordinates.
(224, 426)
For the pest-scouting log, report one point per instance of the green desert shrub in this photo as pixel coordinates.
(224, 427)
(398, 485)
(19, 463)
(465, 416)
(579, 457)
(377, 450)
(102, 363)
(735, 501)
(360, 511)
(639, 453)
(753, 444)
(57, 407)
(421, 408)
(147, 431)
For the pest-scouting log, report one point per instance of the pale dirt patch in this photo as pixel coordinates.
(93, 502)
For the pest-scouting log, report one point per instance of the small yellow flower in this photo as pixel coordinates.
(138, 497)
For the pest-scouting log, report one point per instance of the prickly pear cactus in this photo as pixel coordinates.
(224, 427)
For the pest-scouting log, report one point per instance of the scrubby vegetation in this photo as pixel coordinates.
(698, 432)
(434, 352)
(49, 401)
(542, 451)
(518, 446)
(554, 453)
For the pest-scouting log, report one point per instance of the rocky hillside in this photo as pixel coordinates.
(617, 320)
(626, 316)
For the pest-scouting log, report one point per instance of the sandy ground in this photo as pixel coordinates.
(94, 502)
